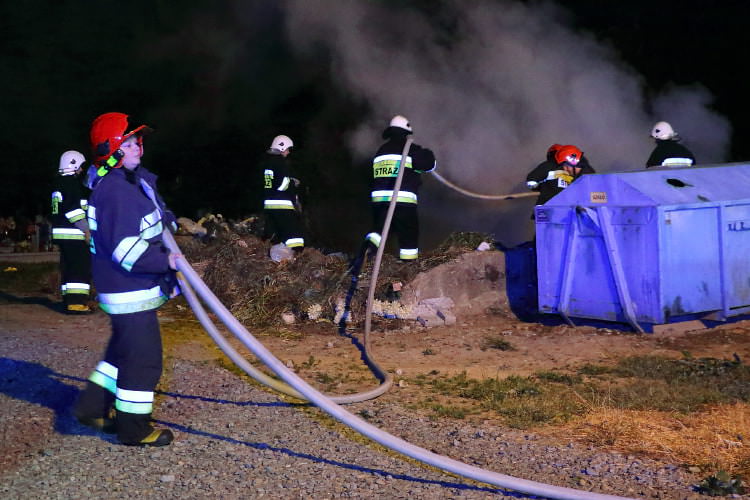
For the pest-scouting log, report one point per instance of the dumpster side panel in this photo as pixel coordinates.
(552, 227)
(737, 253)
(690, 261)
(592, 289)
(593, 293)
(636, 237)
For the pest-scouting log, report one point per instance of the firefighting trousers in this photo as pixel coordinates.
(286, 226)
(405, 225)
(75, 271)
(127, 376)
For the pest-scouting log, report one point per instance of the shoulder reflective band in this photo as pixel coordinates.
(57, 198)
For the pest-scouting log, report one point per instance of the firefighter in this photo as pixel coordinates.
(70, 233)
(668, 151)
(134, 275)
(385, 167)
(280, 204)
(564, 165)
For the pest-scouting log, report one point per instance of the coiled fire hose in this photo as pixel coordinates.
(192, 285)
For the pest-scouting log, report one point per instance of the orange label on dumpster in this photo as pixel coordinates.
(598, 197)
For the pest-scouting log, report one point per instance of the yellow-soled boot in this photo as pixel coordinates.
(158, 437)
(77, 309)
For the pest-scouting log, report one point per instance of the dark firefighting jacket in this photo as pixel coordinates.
(549, 178)
(670, 153)
(385, 166)
(69, 205)
(130, 262)
(279, 189)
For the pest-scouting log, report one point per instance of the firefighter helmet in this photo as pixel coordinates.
(401, 122)
(663, 131)
(281, 143)
(569, 153)
(70, 162)
(551, 151)
(108, 132)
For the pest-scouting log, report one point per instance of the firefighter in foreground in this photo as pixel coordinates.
(70, 233)
(133, 274)
(668, 151)
(280, 194)
(385, 167)
(564, 164)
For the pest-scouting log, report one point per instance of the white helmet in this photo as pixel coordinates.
(401, 122)
(281, 143)
(70, 162)
(663, 131)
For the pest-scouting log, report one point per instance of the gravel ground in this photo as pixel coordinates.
(238, 441)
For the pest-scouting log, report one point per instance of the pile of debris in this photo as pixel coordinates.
(236, 264)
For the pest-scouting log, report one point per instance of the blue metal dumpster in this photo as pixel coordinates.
(650, 246)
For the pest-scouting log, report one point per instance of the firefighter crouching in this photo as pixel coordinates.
(385, 167)
(564, 165)
(280, 195)
(70, 232)
(133, 274)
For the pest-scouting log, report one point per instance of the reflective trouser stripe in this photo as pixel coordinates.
(295, 242)
(83, 288)
(138, 402)
(373, 238)
(278, 204)
(105, 375)
(408, 253)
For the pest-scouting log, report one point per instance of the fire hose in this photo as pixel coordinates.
(472, 194)
(194, 287)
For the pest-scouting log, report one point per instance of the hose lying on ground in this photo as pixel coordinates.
(192, 282)
(321, 401)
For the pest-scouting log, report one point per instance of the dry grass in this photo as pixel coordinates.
(717, 438)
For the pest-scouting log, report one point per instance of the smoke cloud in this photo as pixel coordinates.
(492, 89)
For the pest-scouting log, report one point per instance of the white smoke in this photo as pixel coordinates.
(490, 98)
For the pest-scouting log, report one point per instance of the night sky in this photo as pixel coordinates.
(218, 80)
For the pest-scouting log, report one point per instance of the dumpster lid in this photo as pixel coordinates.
(659, 186)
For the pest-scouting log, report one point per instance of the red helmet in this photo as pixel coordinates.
(568, 153)
(108, 132)
(551, 151)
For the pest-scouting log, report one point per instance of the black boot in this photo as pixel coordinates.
(94, 407)
(136, 430)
